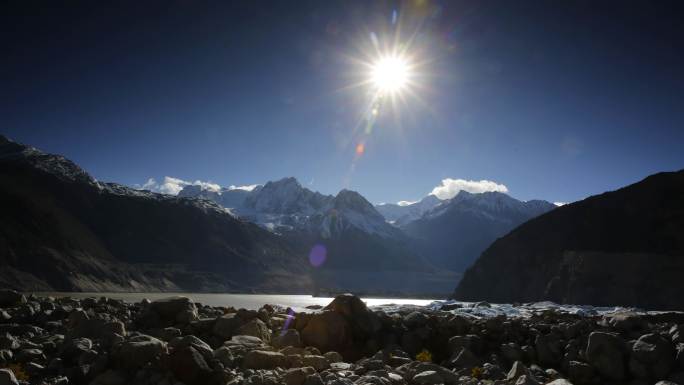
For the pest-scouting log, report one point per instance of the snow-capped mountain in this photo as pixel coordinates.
(402, 213)
(454, 233)
(285, 206)
(494, 205)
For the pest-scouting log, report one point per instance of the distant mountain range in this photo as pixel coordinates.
(363, 251)
(624, 247)
(431, 233)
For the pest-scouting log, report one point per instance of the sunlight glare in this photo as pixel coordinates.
(390, 74)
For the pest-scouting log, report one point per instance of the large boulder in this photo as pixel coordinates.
(10, 298)
(188, 366)
(255, 328)
(363, 321)
(94, 328)
(226, 325)
(346, 325)
(7, 377)
(202, 347)
(297, 376)
(549, 349)
(606, 352)
(139, 350)
(581, 373)
(652, 357)
(263, 359)
(170, 311)
(289, 337)
(328, 330)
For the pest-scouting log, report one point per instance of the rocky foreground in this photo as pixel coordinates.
(46, 340)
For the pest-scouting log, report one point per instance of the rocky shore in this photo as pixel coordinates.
(175, 341)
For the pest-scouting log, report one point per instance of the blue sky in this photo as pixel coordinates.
(554, 101)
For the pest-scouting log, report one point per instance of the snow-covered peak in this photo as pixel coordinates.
(404, 212)
(352, 200)
(491, 203)
(285, 196)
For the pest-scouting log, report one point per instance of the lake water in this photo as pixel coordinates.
(247, 301)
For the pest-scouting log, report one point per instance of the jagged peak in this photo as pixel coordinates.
(287, 181)
(353, 200)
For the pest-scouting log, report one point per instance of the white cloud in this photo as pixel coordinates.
(248, 187)
(450, 187)
(560, 203)
(406, 203)
(172, 186)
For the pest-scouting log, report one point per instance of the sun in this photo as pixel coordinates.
(390, 74)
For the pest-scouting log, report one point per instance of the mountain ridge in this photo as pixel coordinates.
(63, 230)
(622, 247)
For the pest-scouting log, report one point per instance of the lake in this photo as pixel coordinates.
(247, 301)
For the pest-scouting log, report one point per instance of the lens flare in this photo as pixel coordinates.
(360, 149)
(317, 255)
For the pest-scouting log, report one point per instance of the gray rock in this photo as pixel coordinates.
(7, 377)
(245, 341)
(560, 381)
(256, 328)
(415, 320)
(262, 359)
(339, 366)
(172, 310)
(518, 369)
(549, 349)
(429, 377)
(677, 334)
(10, 298)
(471, 342)
(605, 352)
(226, 325)
(333, 357)
(139, 350)
(580, 372)
(652, 357)
(297, 376)
(319, 363)
(289, 337)
(188, 365)
(224, 356)
(190, 340)
(314, 379)
(526, 380)
(7, 341)
(464, 359)
(74, 347)
(511, 352)
(26, 355)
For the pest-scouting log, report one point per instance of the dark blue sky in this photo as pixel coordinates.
(555, 100)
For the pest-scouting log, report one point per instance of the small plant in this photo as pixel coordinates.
(19, 372)
(424, 356)
(476, 372)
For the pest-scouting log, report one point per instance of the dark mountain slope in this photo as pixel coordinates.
(624, 247)
(61, 229)
(456, 232)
